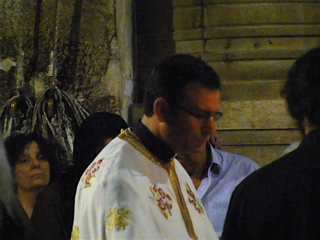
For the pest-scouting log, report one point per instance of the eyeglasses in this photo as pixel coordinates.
(204, 116)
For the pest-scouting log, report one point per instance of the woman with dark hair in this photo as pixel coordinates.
(55, 205)
(31, 158)
(14, 222)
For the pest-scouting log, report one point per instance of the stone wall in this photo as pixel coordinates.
(91, 57)
(60, 61)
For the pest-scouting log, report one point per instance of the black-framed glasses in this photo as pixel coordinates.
(203, 116)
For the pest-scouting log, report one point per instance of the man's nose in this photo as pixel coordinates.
(209, 127)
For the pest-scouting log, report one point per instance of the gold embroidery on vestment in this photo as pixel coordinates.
(196, 202)
(117, 219)
(130, 137)
(181, 202)
(75, 235)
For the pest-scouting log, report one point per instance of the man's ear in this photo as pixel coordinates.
(161, 109)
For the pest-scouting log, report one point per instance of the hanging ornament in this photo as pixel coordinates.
(56, 115)
(17, 111)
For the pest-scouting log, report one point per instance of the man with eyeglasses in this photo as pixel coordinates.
(136, 188)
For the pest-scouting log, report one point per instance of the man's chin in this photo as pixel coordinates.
(200, 147)
(196, 150)
(193, 149)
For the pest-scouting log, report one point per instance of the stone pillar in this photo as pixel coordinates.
(125, 38)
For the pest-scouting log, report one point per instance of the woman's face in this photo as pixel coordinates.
(32, 170)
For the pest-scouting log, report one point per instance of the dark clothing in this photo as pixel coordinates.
(14, 222)
(156, 146)
(49, 216)
(281, 200)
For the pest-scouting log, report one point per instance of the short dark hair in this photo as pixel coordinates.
(170, 76)
(17, 142)
(302, 89)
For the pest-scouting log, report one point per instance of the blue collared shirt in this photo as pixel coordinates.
(226, 171)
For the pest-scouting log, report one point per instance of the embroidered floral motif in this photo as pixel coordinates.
(117, 219)
(90, 173)
(75, 235)
(162, 200)
(196, 202)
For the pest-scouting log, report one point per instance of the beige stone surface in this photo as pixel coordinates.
(259, 14)
(187, 34)
(252, 70)
(265, 114)
(262, 155)
(233, 91)
(187, 18)
(259, 137)
(195, 46)
(259, 48)
(237, 31)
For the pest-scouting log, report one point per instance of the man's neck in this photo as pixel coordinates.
(149, 134)
(150, 123)
(201, 168)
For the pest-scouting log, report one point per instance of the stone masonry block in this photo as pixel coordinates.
(260, 14)
(190, 46)
(183, 3)
(187, 18)
(193, 34)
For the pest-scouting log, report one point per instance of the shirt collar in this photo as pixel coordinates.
(157, 147)
(216, 165)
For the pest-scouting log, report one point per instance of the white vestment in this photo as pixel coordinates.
(127, 194)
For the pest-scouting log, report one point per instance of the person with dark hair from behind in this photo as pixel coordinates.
(281, 200)
(135, 188)
(14, 222)
(55, 205)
